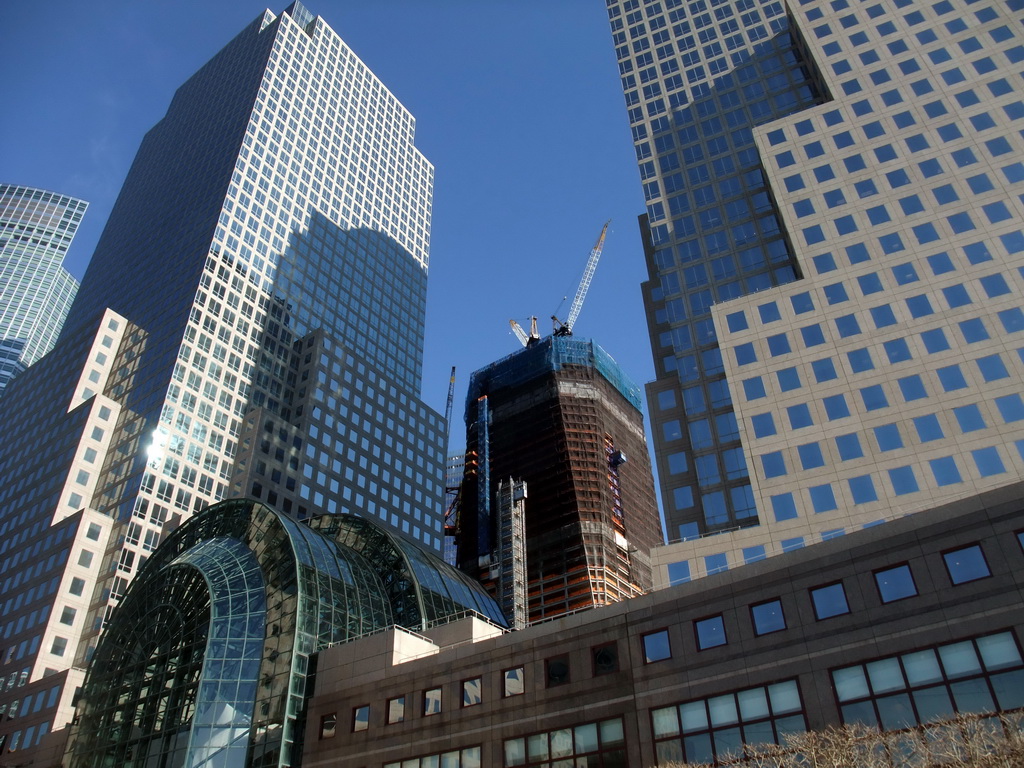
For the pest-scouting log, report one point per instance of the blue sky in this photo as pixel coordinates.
(517, 104)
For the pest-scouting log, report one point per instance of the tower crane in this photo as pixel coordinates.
(451, 522)
(560, 328)
(565, 329)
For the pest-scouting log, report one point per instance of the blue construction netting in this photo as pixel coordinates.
(551, 354)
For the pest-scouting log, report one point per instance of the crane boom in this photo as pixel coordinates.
(448, 408)
(581, 292)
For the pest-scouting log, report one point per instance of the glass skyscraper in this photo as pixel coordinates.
(251, 324)
(877, 146)
(36, 230)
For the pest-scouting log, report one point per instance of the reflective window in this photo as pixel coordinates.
(966, 564)
(514, 684)
(329, 725)
(468, 757)
(767, 617)
(396, 710)
(431, 702)
(361, 718)
(600, 743)
(710, 632)
(471, 692)
(829, 600)
(656, 646)
(895, 583)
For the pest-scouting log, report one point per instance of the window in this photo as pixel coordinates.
(600, 743)
(696, 731)
(557, 671)
(767, 617)
(431, 702)
(895, 583)
(981, 674)
(471, 695)
(829, 600)
(361, 718)
(966, 564)
(396, 710)
(514, 682)
(710, 632)
(656, 646)
(605, 658)
(328, 725)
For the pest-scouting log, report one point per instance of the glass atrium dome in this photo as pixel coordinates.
(206, 660)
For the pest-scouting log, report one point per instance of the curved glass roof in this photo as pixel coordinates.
(202, 659)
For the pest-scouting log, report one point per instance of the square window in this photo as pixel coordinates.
(912, 388)
(471, 692)
(849, 447)
(823, 498)
(763, 424)
(836, 407)
(829, 600)
(928, 428)
(966, 564)
(679, 572)
(810, 456)
(860, 360)
(895, 583)
(789, 379)
(431, 702)
(969, 418)
(753, 388)
(862, 489)
(812, 335)
(396, 710)
(974, 330)
(710, 632)
(514, 682)
(888, 437)
(835, 293)
(605, 658)
(778, 345)
(935, 341)
(799, 416)
(951, 378)
(656, 646)
(329, 725)
(903, 480)
(360, 718)
(768, 617)
(874, 398)
(988, 461)
(945, 471)
(783, 507)
(824, 370)
(883, 316)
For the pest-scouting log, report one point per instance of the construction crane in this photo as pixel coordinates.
(451, 515)
(527, 339)
(565, 329)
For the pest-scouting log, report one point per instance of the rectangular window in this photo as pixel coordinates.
(656, 646)
(895, 583)
(605, 658)
(396, 710)
(767, 617)
(556, 671)
(360, 718)
(710, 632)
(431, 702)
(966, 564)
(471, 692)
(829, 600)
(514, 682)
(328, 725)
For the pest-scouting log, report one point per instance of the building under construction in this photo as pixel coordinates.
(561, 416)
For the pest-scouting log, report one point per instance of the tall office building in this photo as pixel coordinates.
(889, 376)
(250, 324)
(36, 230)
(563, 417)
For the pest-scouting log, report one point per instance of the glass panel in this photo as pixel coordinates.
(611, 733)
(694, 716)
(794, 724)
(753, 703)
(450, 760)
(561, 743)
(514, 681)
(972, 696)
(850, 683)
(896, 712)
(665, 722)
(933, 703)
(698, 748)
(471, 757)
(586, 738)
(1009, 688)
(723, 710)
(669, 752)
(656, 646)
(617, 759)
(432, 701)
(759, 733)
(785, 697)
(922, 667)
(728, 742)
(998, 651)
(885, 675)
(959, 659)
(515, 752)
(537, 746)
(861, 712)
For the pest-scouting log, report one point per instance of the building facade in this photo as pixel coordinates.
(251, 322)
(36, 230)
(887, 378)
(889, 627)
(562, 417)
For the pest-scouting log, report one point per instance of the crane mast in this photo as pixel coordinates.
(565, 329)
